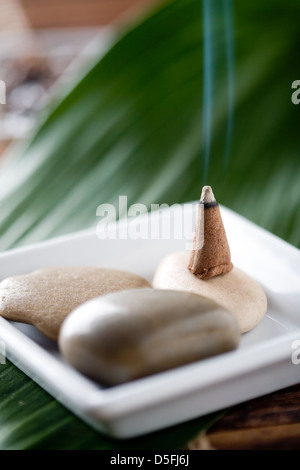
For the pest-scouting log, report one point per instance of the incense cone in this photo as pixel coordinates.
(210, 255)
(199, 271)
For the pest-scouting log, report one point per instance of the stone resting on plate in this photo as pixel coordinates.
(208, 270)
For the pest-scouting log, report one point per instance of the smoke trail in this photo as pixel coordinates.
(218, 47)
(230, 61)
(208, 79)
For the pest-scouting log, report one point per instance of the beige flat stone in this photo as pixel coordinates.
(46, 296)
(235, 291)
(134, 333)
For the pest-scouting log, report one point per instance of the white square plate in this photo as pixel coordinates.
(262, 363)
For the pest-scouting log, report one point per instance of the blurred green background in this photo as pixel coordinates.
(185, 93)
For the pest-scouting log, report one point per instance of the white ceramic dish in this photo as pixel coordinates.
(262, 363)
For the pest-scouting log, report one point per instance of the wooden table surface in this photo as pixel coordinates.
(269, 422)
(266, 423)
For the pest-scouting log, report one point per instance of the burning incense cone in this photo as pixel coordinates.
(200, 271)
(210, 254)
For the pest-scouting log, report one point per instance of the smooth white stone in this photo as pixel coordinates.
(135, 333)
(235, 291)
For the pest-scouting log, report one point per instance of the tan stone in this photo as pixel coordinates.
(45, 297)
(235, 291)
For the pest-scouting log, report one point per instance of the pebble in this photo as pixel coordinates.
(135, 333)
(235, 291)
(46, 296)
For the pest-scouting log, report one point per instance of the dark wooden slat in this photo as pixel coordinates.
(268, 422)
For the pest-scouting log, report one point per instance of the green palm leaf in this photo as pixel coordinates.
(132, 125)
